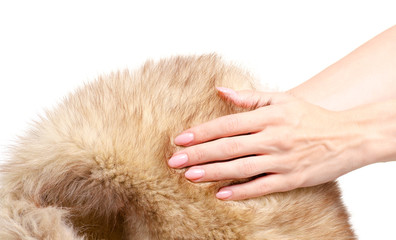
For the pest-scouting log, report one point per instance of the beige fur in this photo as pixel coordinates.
(96, 167)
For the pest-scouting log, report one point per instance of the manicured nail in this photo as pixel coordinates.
(224, 194)
(227, 91)
(178, 160)
(184, 138)
(194, 173)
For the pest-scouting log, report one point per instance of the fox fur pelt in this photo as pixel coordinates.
(95, 167)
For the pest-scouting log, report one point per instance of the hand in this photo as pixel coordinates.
(296, 144)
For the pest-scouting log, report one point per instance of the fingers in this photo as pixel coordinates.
(219, 150)
(236, 169)
(234, 124)
(229, 146)
(261, 186)
(231, 125)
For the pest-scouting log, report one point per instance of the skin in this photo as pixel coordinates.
(339, 120)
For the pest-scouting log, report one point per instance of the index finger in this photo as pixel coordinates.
(226, 126)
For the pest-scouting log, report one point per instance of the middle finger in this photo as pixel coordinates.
(217, 150)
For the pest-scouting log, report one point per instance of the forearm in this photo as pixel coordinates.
(376, 125)
(366, 75)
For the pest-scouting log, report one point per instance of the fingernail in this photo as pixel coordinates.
(184, 138)
(224, 194)
(227, 91)
(194, 173)
(178, 160)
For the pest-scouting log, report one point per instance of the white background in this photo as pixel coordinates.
(47, 48)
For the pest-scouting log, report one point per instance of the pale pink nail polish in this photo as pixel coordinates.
(224, 194)
(194, 173)
(178, 160)
(184, 138)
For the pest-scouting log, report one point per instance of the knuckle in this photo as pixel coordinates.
(215, 173)
(263, 188)
(289, 185)
(248, 167)
(275, 142)
(232, 147)
(298, 181)
(278, 139)
(196, 155)
(291, 182)
(277, 115)
(241, 194)
(231, 123)
(287, 142)
(286, 165)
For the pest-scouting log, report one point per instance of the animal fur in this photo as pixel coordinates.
(96, 167)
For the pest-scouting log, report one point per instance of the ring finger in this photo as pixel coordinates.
(235, 169)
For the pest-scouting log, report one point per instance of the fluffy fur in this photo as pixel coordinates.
(95, 167)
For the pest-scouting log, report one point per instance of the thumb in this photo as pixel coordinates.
(249, 98)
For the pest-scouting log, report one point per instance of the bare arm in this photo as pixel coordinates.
(366, 75)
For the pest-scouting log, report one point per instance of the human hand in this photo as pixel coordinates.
(296, 144)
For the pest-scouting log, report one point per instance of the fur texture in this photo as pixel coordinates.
(96, 167)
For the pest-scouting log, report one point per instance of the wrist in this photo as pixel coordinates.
(375, 124)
